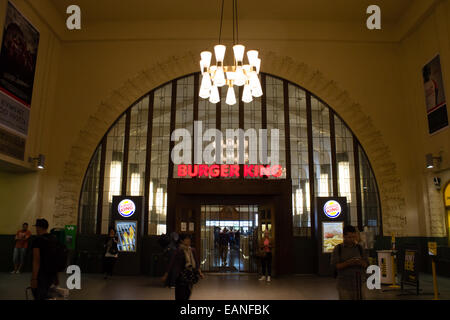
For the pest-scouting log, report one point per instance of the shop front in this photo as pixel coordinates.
(201, 168)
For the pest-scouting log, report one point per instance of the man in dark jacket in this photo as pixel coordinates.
(43, 274)
(185, 257)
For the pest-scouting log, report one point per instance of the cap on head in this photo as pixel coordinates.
(42, 223)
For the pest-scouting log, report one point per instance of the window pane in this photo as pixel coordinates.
(137, 149)
(301, 210)
(89, 195)
(346, 167)
(323, 186)
(275, 120)
(159, 160)
(113, 169)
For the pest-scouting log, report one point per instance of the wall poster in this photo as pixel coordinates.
(435, 95)
(18, 55)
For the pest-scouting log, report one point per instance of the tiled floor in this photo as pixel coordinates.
(213, 287)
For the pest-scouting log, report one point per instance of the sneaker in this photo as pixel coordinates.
(17, 271)
(262, 278)
(268, 279)
(12, 272)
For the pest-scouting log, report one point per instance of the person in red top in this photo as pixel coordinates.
(20, 249)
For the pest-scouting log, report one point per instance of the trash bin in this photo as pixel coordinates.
(385, 264)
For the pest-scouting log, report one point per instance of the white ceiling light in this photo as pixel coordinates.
(218, 75)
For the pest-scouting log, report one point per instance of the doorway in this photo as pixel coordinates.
(229, 236)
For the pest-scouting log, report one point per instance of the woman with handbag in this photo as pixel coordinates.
(185, 267)
(111, 253)
(265, 253)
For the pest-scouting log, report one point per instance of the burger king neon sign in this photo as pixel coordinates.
(332, 209)
(126, 208)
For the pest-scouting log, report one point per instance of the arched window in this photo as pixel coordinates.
(317, 151)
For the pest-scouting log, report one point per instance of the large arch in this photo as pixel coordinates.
(389, 183)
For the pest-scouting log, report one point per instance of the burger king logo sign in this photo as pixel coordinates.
(126, 208)
(332, 209)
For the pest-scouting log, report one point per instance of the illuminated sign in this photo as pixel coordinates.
(225, 170)
(126, 208)
(332, 209)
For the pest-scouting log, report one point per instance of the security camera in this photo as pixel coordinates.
(437, 183)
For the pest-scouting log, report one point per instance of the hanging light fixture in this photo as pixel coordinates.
(239, 74)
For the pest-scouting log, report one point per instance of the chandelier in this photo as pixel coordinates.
(218, 75)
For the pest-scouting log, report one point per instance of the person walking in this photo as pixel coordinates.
(349, 261)
(224, 239)
(20, 248)
(185, 266)
(44, 272)
(111, 253)
(265, 248)
(171, 250)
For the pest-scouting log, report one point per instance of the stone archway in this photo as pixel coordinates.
(389, 184)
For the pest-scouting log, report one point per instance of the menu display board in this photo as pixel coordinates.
(332, 235)
(126, 233)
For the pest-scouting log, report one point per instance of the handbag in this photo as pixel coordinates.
(188, 276)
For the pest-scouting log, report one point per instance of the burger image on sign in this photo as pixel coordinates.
(126, 208)
(332, 209)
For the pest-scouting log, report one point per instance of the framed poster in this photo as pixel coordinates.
(435, 95)
(18, 56)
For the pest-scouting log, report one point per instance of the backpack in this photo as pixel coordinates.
(55, 259)
(339, 246)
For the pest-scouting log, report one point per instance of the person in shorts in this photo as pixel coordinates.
(20, 248)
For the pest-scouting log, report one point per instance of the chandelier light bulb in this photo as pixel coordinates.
(204, 93)
(219, 51)
(239, 52)
(247, 94)
(258, 65)
(240, 77)
(206, 81)
(219, 77)
(252, 57)
(255, 86)
(206, 58)
(214, 97)
(231, 97)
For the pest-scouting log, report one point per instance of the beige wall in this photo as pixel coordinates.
(378, 74)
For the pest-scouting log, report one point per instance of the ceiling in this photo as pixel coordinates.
(330, 10)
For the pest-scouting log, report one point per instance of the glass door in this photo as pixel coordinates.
(228, 238)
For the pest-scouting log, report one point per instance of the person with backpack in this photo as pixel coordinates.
(349, 262)
(47, 257)
(111, 253)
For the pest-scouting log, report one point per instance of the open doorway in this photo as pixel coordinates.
(229, 236)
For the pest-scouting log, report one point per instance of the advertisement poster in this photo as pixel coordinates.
(435, 95)
(18, 54)
(333, 234)
(126, 232)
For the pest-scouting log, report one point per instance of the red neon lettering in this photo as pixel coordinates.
(214, 171)
(234, 170)
(265, 171)
(182, 170)
(248, 171)
(203, 170)
(224, 170)
(192, 170)
(277, 171)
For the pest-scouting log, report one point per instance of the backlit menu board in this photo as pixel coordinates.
(126, 232)
(332, 235)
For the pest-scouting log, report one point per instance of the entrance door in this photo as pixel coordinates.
(228, 238)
